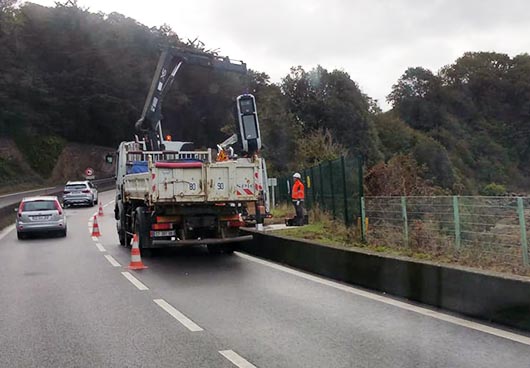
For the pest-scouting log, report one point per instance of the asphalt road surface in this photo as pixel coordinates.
(71, 302)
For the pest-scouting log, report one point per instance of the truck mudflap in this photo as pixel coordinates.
(205, 241)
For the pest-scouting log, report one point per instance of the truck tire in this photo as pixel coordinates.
(143, 229)
(125, 238)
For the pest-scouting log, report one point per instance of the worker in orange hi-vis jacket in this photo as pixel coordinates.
(298, 196)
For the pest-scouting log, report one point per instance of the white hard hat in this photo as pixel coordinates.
(297, 175)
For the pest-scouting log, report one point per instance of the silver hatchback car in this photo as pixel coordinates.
(40, 214)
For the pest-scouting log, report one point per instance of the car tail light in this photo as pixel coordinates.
(58, 207)
(86, 191)
(162, 226)
(20, 209)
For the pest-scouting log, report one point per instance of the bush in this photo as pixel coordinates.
(41, 152)
(493, 190)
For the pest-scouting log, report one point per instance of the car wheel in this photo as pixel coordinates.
(63, 233)
(21, 236)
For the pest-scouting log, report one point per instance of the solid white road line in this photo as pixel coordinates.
(6, 231)
(188, 323)
(410, 307)
(101, 247)
(135, 281)
(237, 359)
(112, 260)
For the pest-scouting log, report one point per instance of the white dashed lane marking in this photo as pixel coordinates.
(188, 323)
(237, 359)
(100, 247)
(112, 261)
(134, 281)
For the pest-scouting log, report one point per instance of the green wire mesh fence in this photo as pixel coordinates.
(488, 232)
(335, 186)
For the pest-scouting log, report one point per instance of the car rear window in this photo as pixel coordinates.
(76, 186)
(44, 205)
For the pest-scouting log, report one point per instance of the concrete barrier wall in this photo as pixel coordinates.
(479, 295)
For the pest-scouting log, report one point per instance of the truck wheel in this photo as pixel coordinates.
(228, 249)
(143, 229)
(125, 239)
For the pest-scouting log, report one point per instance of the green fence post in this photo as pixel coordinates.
(522, 223)
(456, 212)
(313, 192)
(361, 179)
(363, 221)
(322, 200)
(331, 178)
(405, 221)
(304, 180)
(346, 215)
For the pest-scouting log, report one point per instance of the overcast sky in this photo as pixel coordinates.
(374, 41)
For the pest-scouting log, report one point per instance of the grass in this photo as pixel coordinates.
(323, 229)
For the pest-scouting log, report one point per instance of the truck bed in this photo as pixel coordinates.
(195, 182)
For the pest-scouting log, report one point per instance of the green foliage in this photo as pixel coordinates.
(478, 109)
(333, 101)
(83, 77)
(398, 138)
(8, 170)
(315, 147)
(493, 189)
(41, 151)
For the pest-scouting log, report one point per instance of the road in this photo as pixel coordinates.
(69, 302)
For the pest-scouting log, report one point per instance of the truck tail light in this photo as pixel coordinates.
(66, 192)
(167, 226)
(236, 223)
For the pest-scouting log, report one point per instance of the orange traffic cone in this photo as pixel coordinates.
(136, 258)
(95, 227)
(100, 212)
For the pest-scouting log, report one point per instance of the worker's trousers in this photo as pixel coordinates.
(299, 208)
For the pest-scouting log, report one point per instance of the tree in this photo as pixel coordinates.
(331, 100)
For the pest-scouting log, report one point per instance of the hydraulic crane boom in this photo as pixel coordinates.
(171, 60)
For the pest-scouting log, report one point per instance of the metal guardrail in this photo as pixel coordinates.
(7, 205)
(9, 199)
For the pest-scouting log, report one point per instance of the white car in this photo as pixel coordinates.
(80, 192)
